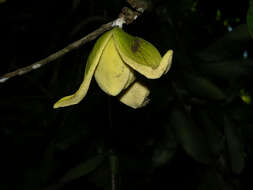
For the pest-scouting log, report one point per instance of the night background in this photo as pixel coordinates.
(196, 133)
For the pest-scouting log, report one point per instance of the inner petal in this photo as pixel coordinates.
(136, 96)
(112, 74)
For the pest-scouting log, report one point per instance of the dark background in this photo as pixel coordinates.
(196, 132)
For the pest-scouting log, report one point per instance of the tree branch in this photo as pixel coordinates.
(126, 16)
(57, 54)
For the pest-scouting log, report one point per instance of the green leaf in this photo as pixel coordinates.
(212, 180)
(212, 134)
(82, 169)
(245, 96)
(189, 136)
(235, 146)
(250, 17)
(228, 46)
(166, 147)
(247, 131)
(242, 113)
(201, 87)
(227, 70)
(162, 156)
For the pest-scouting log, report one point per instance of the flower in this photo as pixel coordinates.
(113, 60)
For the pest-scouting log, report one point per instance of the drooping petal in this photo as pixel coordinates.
(112, 74)
(136, 95)
(166, 61)
(141, 55)
(91, 65)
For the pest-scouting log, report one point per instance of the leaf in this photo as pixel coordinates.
(212, 180)
(235, 146)
(250, 18)
(247, 131)
(82, 169)
(186, 5)
(211, 132)
(162, 156)
(165, 148)
(245, 96)
(200, 86)
(241, 113)
(231, 44)
(189, 136)
(227, 70)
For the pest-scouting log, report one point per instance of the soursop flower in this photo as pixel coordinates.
(114, 59)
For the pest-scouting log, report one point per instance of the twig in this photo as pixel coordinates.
(59, 53)
(113, 182)
(114, 164)
(126, 16)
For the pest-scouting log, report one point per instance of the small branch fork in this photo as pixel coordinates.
(126, 16)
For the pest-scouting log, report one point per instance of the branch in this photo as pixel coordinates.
(57, 54)
(126, 16)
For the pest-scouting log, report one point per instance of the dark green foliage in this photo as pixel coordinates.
(234, 146)
(250, 17)
(202, 87)
(189, 136)
(196, 132)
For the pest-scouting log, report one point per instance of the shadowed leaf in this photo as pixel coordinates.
(189, 136)
(235, 146)
(250, 17)
(213, 135)
(227, 46)
(227, 70)
(201, 87)
(82, 169)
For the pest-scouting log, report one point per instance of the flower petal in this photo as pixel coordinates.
(136, 95)
(112, 73)
(131, 78)
(166, 61)
(91, 65)
(141, 55)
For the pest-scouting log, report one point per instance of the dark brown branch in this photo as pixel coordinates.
(126, 16)
(59, 53)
